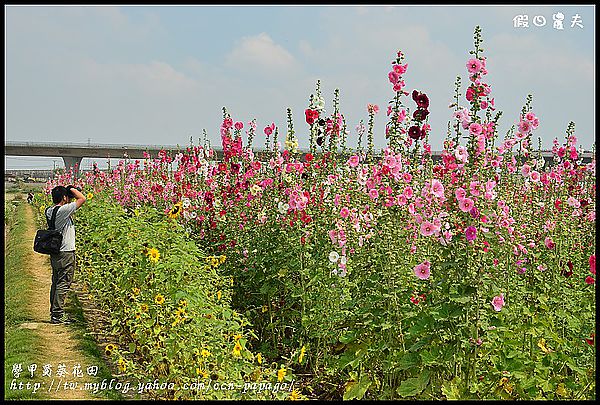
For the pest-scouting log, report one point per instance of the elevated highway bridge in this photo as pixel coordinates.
(73, 153)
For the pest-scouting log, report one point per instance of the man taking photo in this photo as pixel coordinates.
(63, 263)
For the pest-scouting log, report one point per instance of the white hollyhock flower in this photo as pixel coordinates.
(334, 256)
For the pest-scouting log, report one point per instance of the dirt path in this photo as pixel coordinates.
(59, 345)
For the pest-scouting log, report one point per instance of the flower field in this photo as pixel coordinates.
(342, 273)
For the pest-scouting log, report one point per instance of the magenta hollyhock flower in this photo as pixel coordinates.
(593, 264)
(549, 243)
(427, 228)
(498, 302)
(589, 280)
(423, 270)
(373, 193)
(239, 125)
(471, 233)
(475, 128)
(344, 212)
(393, 76)
(466, 204)
(474, 66)
(353, 161)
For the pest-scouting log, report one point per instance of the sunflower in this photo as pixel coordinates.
(144, 307)
(90, 196)
(159, 299)
(302, 352)
(153, 255)
(294, 396)
(222, 259)
(259, 358)
(237, 349)
(281, 374)
(108, 349)
(175, 211)
(205, 353)
(135, 291)
(121, 363)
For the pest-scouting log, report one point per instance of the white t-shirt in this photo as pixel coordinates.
(64, 223)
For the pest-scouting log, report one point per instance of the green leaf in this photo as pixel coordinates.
(348, 336)
(132, 347)
(413, 386)
(357, 390)
(409, 360)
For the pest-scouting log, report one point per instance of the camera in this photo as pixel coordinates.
(70, 193)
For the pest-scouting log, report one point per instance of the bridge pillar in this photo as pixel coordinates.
(72, 162)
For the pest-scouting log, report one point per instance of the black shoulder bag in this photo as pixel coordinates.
(48, 241)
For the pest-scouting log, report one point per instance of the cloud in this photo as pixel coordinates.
(260, 53)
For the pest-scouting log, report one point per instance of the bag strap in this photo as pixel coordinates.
(53, 219)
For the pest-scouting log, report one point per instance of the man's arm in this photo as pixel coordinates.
(79, 197)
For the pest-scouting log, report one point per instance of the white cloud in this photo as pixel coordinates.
(260, 53)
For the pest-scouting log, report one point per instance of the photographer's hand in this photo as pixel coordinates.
(79, 197)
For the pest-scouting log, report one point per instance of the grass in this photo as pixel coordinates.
(20, 344)
(88, 346)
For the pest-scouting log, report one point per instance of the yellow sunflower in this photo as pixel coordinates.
(109, 348)
(90, 196)
(259, 358)
(281, 374)
(205, 353)
(153, 255)
(294, 396)
(159, 299)
(144, 307)
(175, 211)
(237, 349)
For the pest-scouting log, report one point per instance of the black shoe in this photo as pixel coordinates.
(63, 320)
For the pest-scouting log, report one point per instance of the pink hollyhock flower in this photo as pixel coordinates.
(549, 243)
(393, 76)
(373, 193)
(534, 176)
(427, 228)
(573, 202)
(474, 66)
(471, 233)
(593, 264)
(526, 170)
(589, 280)
(269, 129)
(353, 161)
(408, 192)
(524, 127)
(475, 128)
(437, 188)
(460, 193)
(344, 212)
(498, 302)
(239, 125)
(466, 204)
(423, 270)
(461, 153)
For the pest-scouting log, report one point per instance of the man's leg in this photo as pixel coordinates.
(55, 262)
(63, 283)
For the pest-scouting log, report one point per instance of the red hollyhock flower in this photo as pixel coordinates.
(309, 157)
(589, 280)
(590, 341)
(414, 132)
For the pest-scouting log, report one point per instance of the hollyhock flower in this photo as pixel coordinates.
(344, 212)
(414, 132)
(590, 341)
(422, 101)
(460, 193)
(526, 170)
(589, 280)
(239, 125)
(372, 108)
(353, 161)
(524, 127)
(498, 302)
(474, 212)
(549, 243)
(422, 270)
(399, 69)
(334, 256)
(373, 193)
(474, 66)
(470, 94)
(593, 264)
(466, 204)
(427, 228)
(471, 233)
(393, 76)
(437, 188)
(475, 128)
(269, 129)
(461, 154)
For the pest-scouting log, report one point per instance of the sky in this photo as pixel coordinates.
(162, 74)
